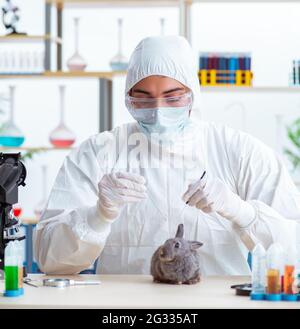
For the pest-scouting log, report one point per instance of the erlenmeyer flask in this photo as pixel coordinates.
(39, 208)
(119, 62)
(76, 62)
(10, 134)
(62, 136)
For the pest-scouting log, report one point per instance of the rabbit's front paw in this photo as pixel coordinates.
(193, 280)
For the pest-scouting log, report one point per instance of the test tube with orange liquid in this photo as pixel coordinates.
(289, 288)
(275, 258)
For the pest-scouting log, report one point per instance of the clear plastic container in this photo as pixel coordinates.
(258, 272)
(275, 259)
(13, 274)
(289, 272)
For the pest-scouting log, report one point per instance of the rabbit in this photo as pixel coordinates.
(177, 261)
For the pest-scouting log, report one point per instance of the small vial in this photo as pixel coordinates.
(258, 272)
(275, 257)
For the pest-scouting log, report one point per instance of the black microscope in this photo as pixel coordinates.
(12, 175)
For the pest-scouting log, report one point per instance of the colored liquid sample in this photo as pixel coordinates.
(17, 211)
(289, 274)
(62, 142)
(273, 282)
(11, 141)
(11, 278)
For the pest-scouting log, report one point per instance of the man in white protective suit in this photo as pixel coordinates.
(122, 193)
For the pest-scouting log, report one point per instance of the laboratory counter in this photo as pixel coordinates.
(136, 291)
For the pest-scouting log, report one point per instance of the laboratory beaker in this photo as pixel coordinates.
(39, 208)
(119, 62)
(76, 62)
(10, 134)
(61, 136)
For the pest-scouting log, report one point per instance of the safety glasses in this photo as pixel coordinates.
(134, 103)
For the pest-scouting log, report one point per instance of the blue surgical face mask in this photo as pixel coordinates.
(166, 122)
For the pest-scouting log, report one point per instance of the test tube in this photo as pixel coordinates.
(289, 288)
(275, 259)
(11, 270)
(258, 272)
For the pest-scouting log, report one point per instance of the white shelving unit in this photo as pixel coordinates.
(260, 89)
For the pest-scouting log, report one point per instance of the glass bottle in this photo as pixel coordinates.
(62, 136)
(119, 62)
(10, 134)
(76, 62)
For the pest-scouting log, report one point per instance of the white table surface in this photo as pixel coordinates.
(137, 291)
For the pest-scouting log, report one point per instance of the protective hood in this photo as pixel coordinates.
(170, 56)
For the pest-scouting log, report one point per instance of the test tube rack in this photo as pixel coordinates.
(225, 77)
(276, 297)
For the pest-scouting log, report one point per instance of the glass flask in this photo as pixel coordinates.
(76, 62)
(119, 62)
(39, 208)
(10, 134)
(61, 136)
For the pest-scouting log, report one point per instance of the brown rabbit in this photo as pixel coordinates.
(177, 261)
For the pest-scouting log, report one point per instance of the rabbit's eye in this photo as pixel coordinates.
(177, 245)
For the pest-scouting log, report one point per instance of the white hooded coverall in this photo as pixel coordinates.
(71, 235)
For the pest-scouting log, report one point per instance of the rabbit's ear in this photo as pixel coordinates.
(195, 244)
(179, 233)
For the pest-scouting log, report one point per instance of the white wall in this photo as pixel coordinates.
(270, 31)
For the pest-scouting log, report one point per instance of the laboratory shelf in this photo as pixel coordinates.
(36, 149)
(28, 38)
(61, 74)
(242, 1)
(271, 89)
(85, 3)
(135, 3)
